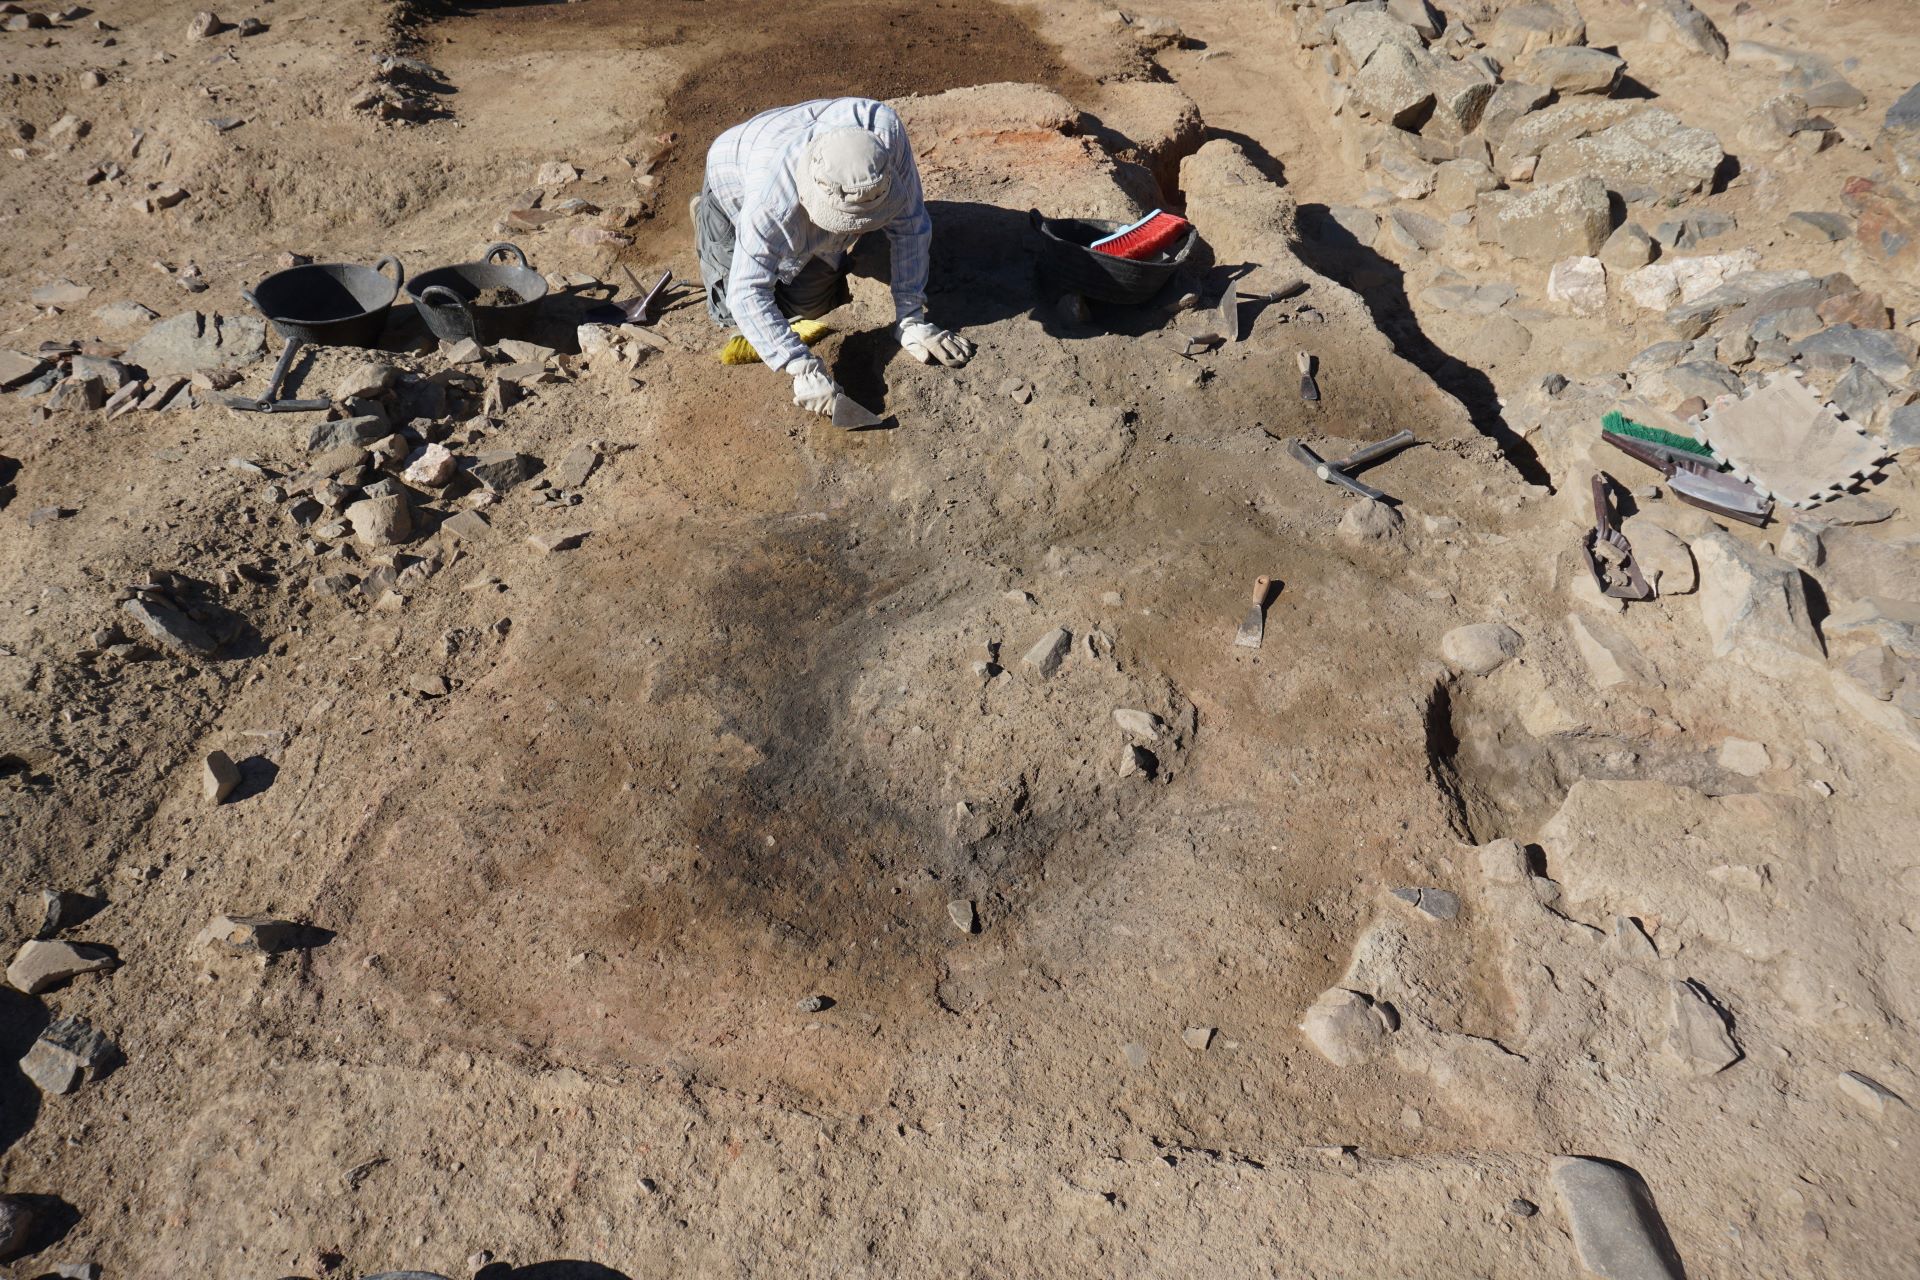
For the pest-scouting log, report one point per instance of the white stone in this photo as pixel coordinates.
(1580, 283)
(1611, 658)
(1660, 285)
(430, 466)
(1480, 647)
(1347, 1027)
(1745, 757)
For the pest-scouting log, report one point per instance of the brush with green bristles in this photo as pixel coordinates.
(1621, 425)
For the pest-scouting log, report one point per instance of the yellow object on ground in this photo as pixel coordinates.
(739, 351)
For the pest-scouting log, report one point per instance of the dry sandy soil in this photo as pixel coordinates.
(582, 832)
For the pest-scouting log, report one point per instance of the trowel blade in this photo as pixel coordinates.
(1230, 313)
(1253, 628)
(851, 414)
(1309, 389)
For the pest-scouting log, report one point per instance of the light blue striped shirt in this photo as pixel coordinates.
(751, 175)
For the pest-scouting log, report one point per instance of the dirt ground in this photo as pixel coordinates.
(638, 862)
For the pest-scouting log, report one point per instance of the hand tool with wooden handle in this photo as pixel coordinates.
(1253, 628)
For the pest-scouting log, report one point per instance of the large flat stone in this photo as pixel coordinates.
(1616, 1227)
(190, 342)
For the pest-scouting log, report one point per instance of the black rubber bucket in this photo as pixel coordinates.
(445, 297)
(329, 304)
(1067, 265)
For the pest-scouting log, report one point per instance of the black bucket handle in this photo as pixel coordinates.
(399, 272)
(439, 296)
(495, 250)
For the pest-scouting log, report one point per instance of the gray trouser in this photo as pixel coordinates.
(816, 290)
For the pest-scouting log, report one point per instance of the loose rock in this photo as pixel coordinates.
(1348, 1028)
(1616, 1228)
(40, 965)
(1044, 656)
(67, 1053)
(218, 777)
(1480, 647)
(1699, 1034)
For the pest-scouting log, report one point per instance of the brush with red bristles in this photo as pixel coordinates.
(1145, 239)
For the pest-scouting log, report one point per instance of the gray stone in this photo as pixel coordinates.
(1610, 657)
(1647, 155)
(218, 777)
(1867, 1093)
(60, 908)
(1368, 29)
(502, 470)
(124, 315)
(1045, 655)
(558, 540)
(1509, 102)
(1413, 231)
(1754, 606)
(1416, 14)
(1141, 724)
(1678, 22)
(18, 368)
(1887, 353)
(1362, 224)
(1876, 670)
(61, 293)
(1436, 904)
(1617, 1230)
(1821, 228)
(1900, 134)
(1468, 299)
(1628, 247)
(1860, 394)
(1700, 1034)
(190, 341)
(67, 1053)
(260, 935)
(1480, 647)
(1567, 219)
(1903, 428)
(1348, 1028)
(963, 915)
(576, 466)
(1369, 521)
(381, 522)
(1522, 28)
(1459, 184)
(171, 629)
(1703, 378)
(1632, 940)
(16, 1225)
(365, 381)
(1662, 555)
(1392, 86)
(465, 526)
(81, 394)
(113, 375)
(42, 964)
(347, 432)
(1573, 69)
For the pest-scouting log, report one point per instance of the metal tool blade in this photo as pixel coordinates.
(852, 415)
(1253, 628)
(1331, 473)
(1230, 313)
(1723, 495)
(1309, 389)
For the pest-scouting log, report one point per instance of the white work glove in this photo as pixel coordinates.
(813, 387)
(927, 343)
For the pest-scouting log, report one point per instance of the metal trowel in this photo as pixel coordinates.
(852, 415)
(1253, 628)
